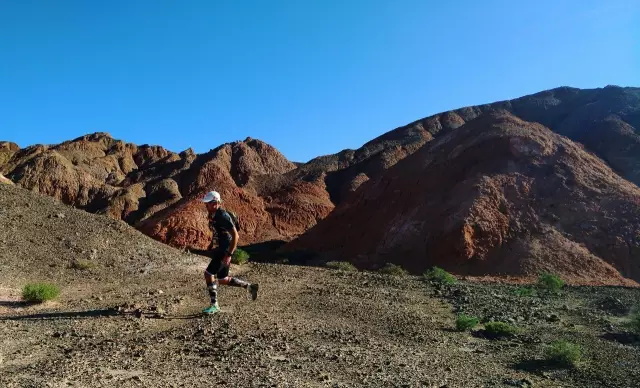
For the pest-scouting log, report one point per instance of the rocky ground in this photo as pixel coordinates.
(129, 317)
(311, 327)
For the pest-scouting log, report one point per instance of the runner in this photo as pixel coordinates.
(226, 234)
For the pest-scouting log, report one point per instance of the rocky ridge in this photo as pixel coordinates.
(497, 196)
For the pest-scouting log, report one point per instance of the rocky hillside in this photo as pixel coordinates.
(605, 121)
(156, 190)
(498, 196)
(129, 303)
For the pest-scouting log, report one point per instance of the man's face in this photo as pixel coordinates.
(212, 206)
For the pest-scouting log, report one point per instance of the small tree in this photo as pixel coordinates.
(82, 265)
(464, 322)
(523, 291)
(40, 292)
(564, 353)
(439, 275)
(500, 329)
(550, 282)
(341, 265)
(393, 269)
(634, 321)
(240, 256)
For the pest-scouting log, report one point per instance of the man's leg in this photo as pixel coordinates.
(212, 285)
(252, 288)
(233, 282)
(225, 279)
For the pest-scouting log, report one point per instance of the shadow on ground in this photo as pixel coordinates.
(91, 314)
(15, 303)
(624, 338)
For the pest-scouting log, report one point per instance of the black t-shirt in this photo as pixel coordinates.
(222, 225)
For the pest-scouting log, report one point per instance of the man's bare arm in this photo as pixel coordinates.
(234, 240)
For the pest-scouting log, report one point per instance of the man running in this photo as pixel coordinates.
(226, 233)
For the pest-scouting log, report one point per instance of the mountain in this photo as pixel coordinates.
(156, 190)
(497, 196)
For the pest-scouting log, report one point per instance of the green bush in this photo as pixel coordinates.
(464, 322)
(393, 269)
(341, 265)
(240, 256)
(564, 353)
(439, 275)
(550, 282)
(500, 329)
(82, 265)
(524, 291)
(40, 292)
(634, 321)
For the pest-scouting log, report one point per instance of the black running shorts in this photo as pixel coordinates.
(216, 266)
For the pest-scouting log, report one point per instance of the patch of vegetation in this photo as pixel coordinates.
(40, 292)
(500, 329)
(464, 322)
(564, 353)
(82, 265)
(634, 321)
(393, 269)
(439, 275)
(524, 291)
(282, 260)
(550, 282)
(240, 256)
(341, 265)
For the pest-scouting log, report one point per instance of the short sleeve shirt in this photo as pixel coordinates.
(222, 225)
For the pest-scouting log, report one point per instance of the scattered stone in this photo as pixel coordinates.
(552, 318)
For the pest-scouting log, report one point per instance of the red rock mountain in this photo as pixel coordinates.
(156, 189)
(497, 196)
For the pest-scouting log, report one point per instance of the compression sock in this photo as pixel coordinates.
(213, 292)
(234, 282)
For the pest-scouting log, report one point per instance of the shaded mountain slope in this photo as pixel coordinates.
(496, 196)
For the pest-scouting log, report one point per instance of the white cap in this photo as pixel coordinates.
(211, 196)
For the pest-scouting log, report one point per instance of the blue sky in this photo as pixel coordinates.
(309, 77)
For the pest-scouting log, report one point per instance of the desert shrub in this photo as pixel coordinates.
(634, 321)
(439, 275)
(550, 282)
(341, 265)
(564, 353)
(524, 291)
(392, 269)
(240, 256)
(82, 265)
(464, 322)
(500, 329)
(40, 292)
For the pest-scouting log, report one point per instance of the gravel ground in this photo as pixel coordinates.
(132, 319)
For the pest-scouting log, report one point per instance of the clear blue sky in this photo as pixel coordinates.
(309, 77)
